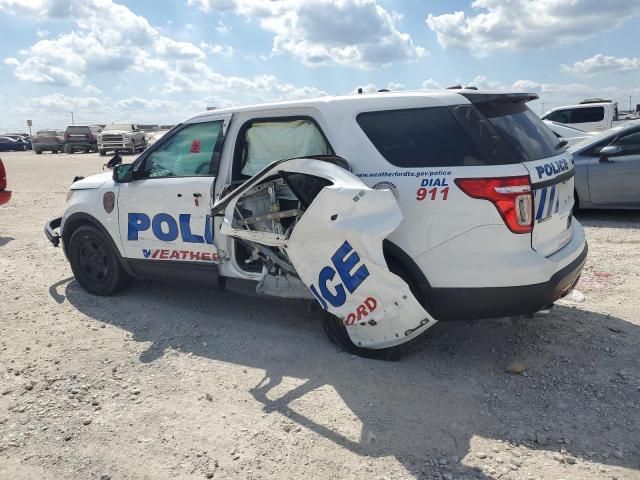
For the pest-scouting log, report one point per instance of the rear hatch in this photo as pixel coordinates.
(78, 135)
(549, 165)
(48, 137)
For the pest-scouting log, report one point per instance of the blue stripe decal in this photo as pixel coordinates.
(540, 211)
(551, 198)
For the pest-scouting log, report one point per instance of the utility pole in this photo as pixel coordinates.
(72, 122)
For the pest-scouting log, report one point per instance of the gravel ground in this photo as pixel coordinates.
(166, 381)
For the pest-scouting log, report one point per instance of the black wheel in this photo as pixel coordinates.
(337, 331)
(102, 153)
(38, 152)
(94, 263)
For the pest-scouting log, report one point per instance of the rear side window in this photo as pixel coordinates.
(587, 115)
(561, 116)
(522, 129)
(424, 137)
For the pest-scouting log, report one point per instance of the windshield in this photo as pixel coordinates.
(522, 129)
(118, 126)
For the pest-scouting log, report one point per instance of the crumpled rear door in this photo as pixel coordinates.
(336, 250)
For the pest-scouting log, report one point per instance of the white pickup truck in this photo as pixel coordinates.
(121, 137)
(588, 116)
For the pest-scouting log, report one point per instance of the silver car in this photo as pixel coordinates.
(608, 169)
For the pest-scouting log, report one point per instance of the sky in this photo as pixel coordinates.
(161, 61)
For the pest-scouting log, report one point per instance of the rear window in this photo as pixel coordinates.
(77, 130)
(522, 129)
(423, 137)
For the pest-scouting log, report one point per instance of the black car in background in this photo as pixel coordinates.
(81, 138)
(48, 141)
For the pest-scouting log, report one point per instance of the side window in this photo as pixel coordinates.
(630, 143)
(191, 151)
(587, 115)
(264, 142)
(424, 137)
(561, 116)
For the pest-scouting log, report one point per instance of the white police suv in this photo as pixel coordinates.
(392, 210)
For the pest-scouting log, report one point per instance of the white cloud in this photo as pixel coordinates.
(215, 49)
(59, 102)
(431, 84)
(357, 33)
(222, 28)
(108, 37)
(600, 63)
(499, 24)
(198, 77)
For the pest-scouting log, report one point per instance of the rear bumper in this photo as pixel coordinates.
(446, 304)
(50, 231)
(5, 196)
(81, 144)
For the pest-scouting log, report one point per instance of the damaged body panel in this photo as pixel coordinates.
(312, 226)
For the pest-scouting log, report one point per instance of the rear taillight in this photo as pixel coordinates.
(511, 195)
(3, 177)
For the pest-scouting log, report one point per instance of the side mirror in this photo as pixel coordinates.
(115, 160)
(610, 151)
(123, 173)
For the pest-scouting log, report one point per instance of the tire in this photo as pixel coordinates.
(102, 153)
(94, 262)
(38, 152)
(337, 332)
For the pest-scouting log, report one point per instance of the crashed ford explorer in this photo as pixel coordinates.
(393, 211)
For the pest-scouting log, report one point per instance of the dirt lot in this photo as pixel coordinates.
(168, 381)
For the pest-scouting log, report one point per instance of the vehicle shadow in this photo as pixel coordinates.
(609, 218)
(5, 240)
(449, 391)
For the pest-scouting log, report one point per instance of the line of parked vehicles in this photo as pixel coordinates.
(115, 137)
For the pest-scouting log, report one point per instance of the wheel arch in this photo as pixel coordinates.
(419, 283)
(79, 219)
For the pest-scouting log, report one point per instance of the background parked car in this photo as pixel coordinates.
(5, 194)
(21, 138)
(121, 137)
(48, 141)
(8, 144)
(81, 138)
(608, 169)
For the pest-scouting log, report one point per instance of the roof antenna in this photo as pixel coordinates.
(359, 90)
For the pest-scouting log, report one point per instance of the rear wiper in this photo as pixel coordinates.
(561, 143)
